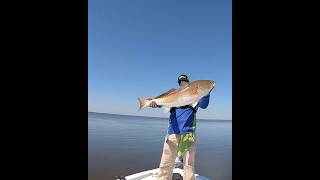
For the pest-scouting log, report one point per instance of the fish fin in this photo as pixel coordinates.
(166, 109)
(166, 93)
(143, 103)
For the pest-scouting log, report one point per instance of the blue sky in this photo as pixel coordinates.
(139, 48)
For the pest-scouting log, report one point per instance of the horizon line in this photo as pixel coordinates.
(157, 116)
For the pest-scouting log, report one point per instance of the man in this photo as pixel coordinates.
(180, 139)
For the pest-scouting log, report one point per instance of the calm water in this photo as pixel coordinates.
(123, 145)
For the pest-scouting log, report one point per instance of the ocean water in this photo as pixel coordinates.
(124, 145)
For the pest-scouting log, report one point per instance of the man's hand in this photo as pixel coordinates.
(153, 104)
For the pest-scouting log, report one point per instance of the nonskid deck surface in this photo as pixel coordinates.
(152, 175)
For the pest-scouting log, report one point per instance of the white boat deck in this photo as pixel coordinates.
(152, 175)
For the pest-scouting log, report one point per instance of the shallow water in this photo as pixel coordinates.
(123, 145)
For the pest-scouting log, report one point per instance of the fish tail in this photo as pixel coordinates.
(143, 103)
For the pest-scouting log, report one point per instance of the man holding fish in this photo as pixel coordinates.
(180, 140)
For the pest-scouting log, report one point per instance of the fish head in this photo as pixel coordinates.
(205, 86)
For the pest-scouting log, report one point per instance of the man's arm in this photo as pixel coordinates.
(204, 102)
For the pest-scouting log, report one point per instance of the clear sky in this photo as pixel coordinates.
(139, 48)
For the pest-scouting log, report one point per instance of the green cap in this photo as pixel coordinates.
(183, 77)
